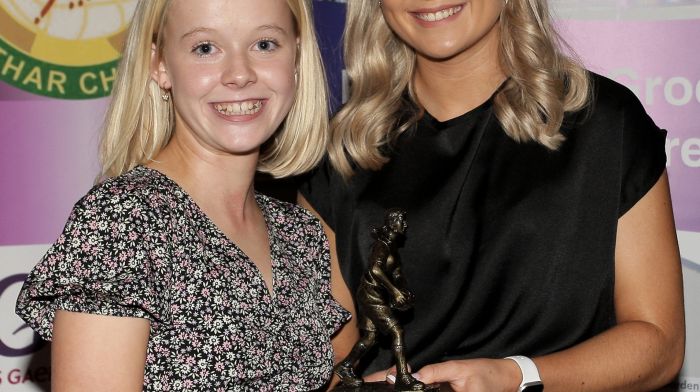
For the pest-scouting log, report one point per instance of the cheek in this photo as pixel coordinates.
(194, 80)
(395, 24)
(404, 26)
(279, 77)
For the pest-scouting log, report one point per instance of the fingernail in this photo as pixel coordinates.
(391, 378)
(417, 376)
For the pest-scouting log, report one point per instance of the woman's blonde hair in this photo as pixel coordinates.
(543, 83)
(139, 123)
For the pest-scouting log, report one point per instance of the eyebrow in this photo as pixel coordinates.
(266, 27)
(195, 31)
(272, 27)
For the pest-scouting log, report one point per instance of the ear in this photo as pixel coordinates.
(159, 72)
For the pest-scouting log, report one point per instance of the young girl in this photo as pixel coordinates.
(173, 273)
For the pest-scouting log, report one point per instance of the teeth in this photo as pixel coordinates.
(238, 108)
(440, 15)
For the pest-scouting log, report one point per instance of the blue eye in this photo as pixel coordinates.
(266, 45)
(203, 49)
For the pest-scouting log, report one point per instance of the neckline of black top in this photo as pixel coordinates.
(433, 123)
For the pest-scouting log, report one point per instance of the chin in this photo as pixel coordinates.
(440, 55)
(444, 52)
(242, 149)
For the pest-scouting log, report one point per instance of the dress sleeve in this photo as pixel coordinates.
(103, 263)
(643, 154)
(332, 313)
(317, 189)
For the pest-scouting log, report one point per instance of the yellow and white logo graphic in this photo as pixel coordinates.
(62, 48)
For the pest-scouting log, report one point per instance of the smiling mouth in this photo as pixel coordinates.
(239, 108)
(439, 15)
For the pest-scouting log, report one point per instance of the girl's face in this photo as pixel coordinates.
(443, 29)
(230, 67)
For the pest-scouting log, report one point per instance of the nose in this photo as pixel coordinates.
(239, 72)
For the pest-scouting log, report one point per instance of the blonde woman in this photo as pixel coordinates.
(541, 248)
(173, 273)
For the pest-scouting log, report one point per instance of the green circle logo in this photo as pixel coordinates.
(63, 49)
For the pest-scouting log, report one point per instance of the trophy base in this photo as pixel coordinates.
(379, 387)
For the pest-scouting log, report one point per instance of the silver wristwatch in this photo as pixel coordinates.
(531, 381)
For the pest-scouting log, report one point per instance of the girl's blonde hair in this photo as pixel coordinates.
(543, 83)
(139, 123)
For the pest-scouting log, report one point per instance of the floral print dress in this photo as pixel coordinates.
(138, 246)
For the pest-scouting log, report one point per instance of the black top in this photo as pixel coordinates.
(510, 247)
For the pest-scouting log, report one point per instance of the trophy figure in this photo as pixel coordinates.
(382, 291)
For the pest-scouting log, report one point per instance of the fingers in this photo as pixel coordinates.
(482, 375)
(382, 375)
(388, 375)
(445, 372)
(374, 377)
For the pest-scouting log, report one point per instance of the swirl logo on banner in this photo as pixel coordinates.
(57, 61)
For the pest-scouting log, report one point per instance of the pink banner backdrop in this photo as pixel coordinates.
(47, 161)
(654, 59)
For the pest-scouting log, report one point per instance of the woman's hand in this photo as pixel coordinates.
(472, 375)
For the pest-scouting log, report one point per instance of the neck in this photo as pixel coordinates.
(447, 88)
(214, 181)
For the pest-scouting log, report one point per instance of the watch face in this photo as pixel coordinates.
(533, 388)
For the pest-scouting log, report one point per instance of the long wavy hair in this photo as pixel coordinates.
(139, 123)
(543, 84)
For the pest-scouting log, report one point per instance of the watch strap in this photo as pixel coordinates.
(531, 376)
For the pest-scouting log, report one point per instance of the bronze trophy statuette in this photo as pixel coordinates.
(382, 291)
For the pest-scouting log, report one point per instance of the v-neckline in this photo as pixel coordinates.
(269, 291)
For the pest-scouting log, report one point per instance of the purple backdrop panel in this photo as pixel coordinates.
(47, 161)
(329, 17)
(655, 60)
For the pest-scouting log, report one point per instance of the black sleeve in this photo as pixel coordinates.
(643, 155)
(317, 188)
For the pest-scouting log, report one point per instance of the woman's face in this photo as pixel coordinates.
(230, 67)
(443, 29)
